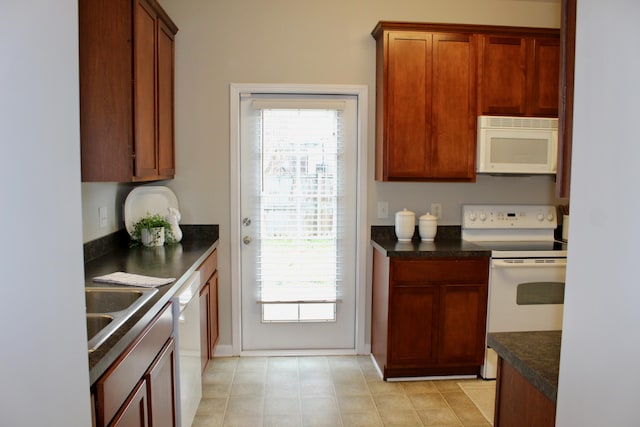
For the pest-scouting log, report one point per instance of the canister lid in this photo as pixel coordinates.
(405, 212)
(428, 217)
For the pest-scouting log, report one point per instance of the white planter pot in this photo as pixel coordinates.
(152, 237)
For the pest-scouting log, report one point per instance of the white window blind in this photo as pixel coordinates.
(299, 239)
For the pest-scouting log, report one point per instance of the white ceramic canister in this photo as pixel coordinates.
(405, 225)
(427, 227)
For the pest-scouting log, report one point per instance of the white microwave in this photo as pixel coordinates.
(517, 145)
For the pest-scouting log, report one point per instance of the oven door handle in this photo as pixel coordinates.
(529, 263)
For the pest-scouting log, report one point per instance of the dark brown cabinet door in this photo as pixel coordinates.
(208, 319)
(161, 388)
(205, 303)
(503, 71)
(144, 66)
(426, 106)
(208, 307)
(213, 314)
(408, 84)
(134, 411)
(106, 96)
(463, 310)
(413, 321)
(543, 77)
(166, 156)
(519, 75)
(453, 110)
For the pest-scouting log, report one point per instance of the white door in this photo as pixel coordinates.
(298, 203)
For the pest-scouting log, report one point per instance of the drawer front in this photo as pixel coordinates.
(113, 388)
(208, 267)
(443, 270)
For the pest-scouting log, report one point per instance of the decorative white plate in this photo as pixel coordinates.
(147, 200)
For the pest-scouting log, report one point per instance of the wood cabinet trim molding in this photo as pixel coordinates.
(463, 28)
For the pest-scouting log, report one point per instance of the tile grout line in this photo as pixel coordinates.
(451, 407)
(226, 405)
(301, 415)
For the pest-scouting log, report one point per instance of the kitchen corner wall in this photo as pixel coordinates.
(291, 41)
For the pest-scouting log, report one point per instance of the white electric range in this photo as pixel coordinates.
(527, 274)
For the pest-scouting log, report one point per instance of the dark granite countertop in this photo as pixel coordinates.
(113, 254)
(535, 355)
(448, 242)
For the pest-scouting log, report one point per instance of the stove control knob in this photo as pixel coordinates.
(540, 216)
(549, 216)
(483, 216)
(472, 216)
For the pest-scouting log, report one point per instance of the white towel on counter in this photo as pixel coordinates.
(122, 278)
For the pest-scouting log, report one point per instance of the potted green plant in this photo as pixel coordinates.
(152, 230)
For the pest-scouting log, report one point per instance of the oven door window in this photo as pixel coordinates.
(536, 293)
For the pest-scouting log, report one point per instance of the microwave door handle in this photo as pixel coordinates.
(546, 263)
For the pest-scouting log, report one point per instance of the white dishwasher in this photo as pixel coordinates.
(187, 334)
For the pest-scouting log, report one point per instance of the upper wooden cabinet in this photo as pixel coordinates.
(425, 103)
(126, 90)
(519, 74)
(433, 80)
(565, 114)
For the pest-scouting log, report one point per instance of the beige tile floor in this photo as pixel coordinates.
(331, 391)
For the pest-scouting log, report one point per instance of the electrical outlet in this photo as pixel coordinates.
(436, 210)
(383, 210)
(102, 216)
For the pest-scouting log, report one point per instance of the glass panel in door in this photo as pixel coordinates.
(298, 201)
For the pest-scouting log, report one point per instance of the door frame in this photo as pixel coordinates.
(362, 237)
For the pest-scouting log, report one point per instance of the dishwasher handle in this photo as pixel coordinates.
(529, 263)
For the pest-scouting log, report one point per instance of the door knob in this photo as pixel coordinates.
(246, 240)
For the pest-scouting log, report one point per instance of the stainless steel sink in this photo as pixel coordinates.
(106, 300)
(96, 323)
(109, 307)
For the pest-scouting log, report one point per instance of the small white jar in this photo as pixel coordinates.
(427, 227)
(405, 225)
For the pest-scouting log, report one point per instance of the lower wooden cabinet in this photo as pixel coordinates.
(134, 411)
(205, 302)
(520, 403)
(429, 315)
(161, 387)
(139, 388)
(208, 307)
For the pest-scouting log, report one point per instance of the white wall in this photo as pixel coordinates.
(291, 41)
(599, 371)
(43, 360)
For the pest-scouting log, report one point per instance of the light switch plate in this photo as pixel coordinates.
(383, 210)
(102, 216)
